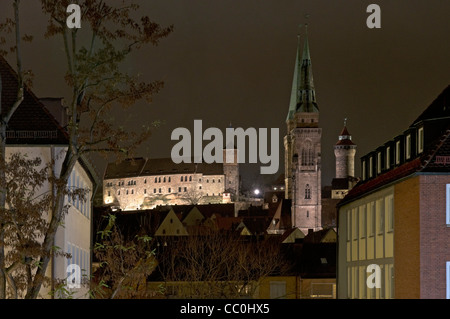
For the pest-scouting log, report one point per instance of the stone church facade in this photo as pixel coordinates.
(302, 145)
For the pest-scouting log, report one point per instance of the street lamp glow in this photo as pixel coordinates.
(256, 191)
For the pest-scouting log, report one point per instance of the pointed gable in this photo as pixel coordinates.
(193, 218)
(171, 226)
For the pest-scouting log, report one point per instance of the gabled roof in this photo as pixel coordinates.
(439, 108)
(158, 166)
(31, 123)
(428, 161)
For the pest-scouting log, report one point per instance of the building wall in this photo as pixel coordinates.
(434, 236)
(366, 236)
(76, 228)
(407, 239)
(146, 192)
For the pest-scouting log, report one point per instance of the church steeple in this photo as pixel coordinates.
(303, 95)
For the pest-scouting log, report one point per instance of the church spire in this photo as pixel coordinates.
(303, 96)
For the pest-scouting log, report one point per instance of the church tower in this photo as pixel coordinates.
(303, 146)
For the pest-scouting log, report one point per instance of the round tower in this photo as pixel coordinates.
(345, 151)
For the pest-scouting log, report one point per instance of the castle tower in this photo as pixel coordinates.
(345, 151)
(231, 171)
(303, 146)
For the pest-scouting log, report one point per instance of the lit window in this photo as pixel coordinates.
(397, 152)
(388, 157)
(448, 279)
(408, 146)
(448, 204)
(363, 170)
(420, 140)
(379, 162)
(363, 226)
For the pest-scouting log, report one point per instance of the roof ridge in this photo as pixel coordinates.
(28, 90)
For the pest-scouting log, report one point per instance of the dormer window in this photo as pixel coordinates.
(364, 170)
(408, 146)
(420, 142)
(378, 162)
(388, 157)
(397, 152)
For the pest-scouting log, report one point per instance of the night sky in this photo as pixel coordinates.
(233, 61)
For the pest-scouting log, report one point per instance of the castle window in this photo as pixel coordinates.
(118, 192)
(420, 140)
(179, 189)
(145, 181)
(134, 183)
(207, 180)
(109, 193)
(185, 189)
(200, 187)
(307, 192)
(181, 178)
(145, 191)
(127, 191)
(190, 178)
(156, 179)
(307, 213)
(164, 180)
(154, 190)
(169, 179)
(199, 180)
(159, 180)
(213, 180)
(218, 180)
(170, 190)
(132, 191)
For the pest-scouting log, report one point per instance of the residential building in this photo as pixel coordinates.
(34, 132)
(394, 225)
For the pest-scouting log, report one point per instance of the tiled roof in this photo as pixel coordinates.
(31, 123)
(158, 166)
(439, 108)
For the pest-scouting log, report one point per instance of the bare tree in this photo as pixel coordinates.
(98, 85)
(217, 264)
(125, 262)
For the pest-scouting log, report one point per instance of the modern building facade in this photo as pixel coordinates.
(394, 225)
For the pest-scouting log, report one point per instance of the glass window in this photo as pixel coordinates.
(420, 143)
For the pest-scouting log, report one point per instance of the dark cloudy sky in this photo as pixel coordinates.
(232, 61)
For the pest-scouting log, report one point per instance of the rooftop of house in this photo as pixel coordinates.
(31, 123)
(426, 161)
